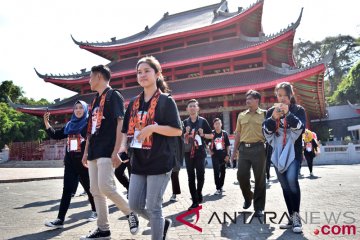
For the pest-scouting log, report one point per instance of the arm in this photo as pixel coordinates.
(119, 138)
(236, 145)
(52, 133)
(84, 158)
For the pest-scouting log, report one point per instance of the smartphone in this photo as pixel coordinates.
(124, 156)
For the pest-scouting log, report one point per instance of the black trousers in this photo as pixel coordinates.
(252, 157)
(73, 172)
(198, 164)
(175, 182)
(310, 160)
(121, 176)
(219, 167)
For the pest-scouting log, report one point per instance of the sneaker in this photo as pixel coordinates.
(133, 223)
(57, 223)
(93, 217)
(194, 205)
(167, 225)
(82, 194)
(173, 198)
(287, 225)
(311, 174)
(97, 234)
(218, 192)
(297, 226)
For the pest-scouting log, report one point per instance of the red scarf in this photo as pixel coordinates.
(137, 122)
(100, 113)
(277, 129)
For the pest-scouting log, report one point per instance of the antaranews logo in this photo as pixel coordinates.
(181, 217)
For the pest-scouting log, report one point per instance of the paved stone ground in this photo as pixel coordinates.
(25, 206)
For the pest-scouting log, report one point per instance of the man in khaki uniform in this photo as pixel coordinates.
(249, 140)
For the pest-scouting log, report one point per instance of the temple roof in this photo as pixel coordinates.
(215, 85)
(175, 23)
(190, 52)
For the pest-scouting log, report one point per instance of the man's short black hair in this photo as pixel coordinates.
(254, 94)
(103, 70)
(216, 120)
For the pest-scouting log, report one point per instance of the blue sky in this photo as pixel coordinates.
(37, 33)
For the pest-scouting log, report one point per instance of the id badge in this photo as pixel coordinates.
(73, 145)
(308, 147)
(198, 139)
(135, 143)
(218, 146)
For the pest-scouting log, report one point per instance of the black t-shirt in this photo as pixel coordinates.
(160, 158)
(59, 134)
(102, 143)
(218, 140)
(196, 125)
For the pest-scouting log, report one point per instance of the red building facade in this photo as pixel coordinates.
(209, 54)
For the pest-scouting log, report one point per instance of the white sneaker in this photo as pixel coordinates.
(82, 194)
(173, 198)
(311, 174)
(218, 192)
(93, 217)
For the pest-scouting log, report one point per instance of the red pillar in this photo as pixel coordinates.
(233, 120)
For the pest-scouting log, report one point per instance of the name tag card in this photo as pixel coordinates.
(198, 139)
(73, 144)
(218, 146)
(135, 143)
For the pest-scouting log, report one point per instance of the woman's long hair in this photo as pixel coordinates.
(288, 88)
(154, 64)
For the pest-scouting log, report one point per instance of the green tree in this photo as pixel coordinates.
(16, 126)
(349, 88)
(347, 53)
(8, 88)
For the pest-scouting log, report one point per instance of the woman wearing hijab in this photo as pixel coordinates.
(75, 131)
(310, 149)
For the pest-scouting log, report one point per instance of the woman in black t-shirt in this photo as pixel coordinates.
(75, 132)
(151, 124)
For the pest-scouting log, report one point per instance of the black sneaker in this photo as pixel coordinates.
(97, 234)
(57, 223)
(194, 205)
(167, 225)
(133, 223)
(297, 226)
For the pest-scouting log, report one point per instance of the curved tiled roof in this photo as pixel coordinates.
(174, 23)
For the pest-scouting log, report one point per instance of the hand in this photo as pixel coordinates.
(187, 129)
(84, 161)
(46, 117)
(276, 113)
(201, 132)
(284, 108)
(145, 133)
(227, 158)
(116, 161)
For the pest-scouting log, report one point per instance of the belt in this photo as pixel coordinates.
(250, 145)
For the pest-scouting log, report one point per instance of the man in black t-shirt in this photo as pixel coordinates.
(101, 151)
(220, 154)
(196, 130)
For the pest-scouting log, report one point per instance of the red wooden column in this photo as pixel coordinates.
(233, 120)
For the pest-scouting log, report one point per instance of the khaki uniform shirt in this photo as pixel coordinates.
(249, 126)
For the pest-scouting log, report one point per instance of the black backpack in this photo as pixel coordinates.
(176, 143)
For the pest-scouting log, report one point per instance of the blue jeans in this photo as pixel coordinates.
(290, 185)
(147, 191)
